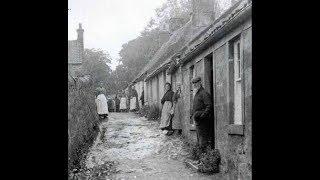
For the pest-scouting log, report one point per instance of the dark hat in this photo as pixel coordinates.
(196, 79)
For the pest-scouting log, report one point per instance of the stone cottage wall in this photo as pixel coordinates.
(235, 148)
(161, 86)
(155, 90)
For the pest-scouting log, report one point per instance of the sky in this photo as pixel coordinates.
(108, 24)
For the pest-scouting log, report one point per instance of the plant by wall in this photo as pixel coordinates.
(83, 122)
(153, 113)
(143, 111)
(210, 161)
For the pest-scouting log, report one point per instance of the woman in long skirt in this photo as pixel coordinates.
(176, 110)
(123, 103)
(102, 106)
(166, 101)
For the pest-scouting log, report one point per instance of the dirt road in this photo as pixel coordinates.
(140, 150)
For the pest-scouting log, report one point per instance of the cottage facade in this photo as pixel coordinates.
(76, 53)
(220, 53)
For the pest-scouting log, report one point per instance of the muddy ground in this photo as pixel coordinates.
(139, 150)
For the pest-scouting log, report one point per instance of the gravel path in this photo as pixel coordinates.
(140, 150)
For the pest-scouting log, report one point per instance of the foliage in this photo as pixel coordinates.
(210, 161)
(195, 152)
(143, 111)
(136, 53)
(83, 123)
(153, 113)
(96, 65)
(170, 9)
(101, 171)
(120, 78)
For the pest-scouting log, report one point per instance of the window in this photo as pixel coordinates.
(237, 59)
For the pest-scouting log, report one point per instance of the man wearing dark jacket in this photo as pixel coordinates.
(202, 111)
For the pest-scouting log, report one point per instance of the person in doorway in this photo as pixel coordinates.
(176, 110)
(166, 117)
(110, 105)
(201, 113)
(117, 102)
(142, 98)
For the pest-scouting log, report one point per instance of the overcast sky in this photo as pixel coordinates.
(108, 24)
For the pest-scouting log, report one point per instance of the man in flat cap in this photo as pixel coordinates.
(201, 113)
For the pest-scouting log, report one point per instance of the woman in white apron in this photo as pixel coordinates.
(133, 103)
(166, 117)
(123, 103)
(102, 106)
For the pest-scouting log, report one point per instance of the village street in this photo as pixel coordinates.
(140, 150)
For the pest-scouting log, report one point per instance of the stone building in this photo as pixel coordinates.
(76, 53)
(218, 49)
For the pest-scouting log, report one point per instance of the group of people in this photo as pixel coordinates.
(120, 103)
(201, 114)
(171, 113)
(130, 102)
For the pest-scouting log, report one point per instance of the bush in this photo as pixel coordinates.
(210, 161)
(83, 123)
(153, 112)
(195, 152)
(143, 111)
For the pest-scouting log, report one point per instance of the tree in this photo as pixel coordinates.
(135, 54)
(96, 65)
(180, 9)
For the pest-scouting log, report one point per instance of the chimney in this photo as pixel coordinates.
(80, 32)
(80, 42)
(203, 12)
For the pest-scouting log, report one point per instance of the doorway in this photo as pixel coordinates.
(208, 84)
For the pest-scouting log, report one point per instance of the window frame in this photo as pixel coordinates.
(236, 66)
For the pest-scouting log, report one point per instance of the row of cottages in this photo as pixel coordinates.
(219, 51)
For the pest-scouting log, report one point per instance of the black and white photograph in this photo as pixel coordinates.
(159, 90)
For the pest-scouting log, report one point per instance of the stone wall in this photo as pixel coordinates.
(154, 89)
(139, 88)
(145, 86)
(161, 86)
(235, 148)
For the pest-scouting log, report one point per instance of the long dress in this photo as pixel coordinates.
(133, 103)
(165, 122)
(102, 104)
(176, 120)
(165, 115)
(123, 103)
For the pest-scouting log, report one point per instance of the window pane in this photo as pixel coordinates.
(238, 50)
(239, 68)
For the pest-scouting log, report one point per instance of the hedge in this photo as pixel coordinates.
(83, 122)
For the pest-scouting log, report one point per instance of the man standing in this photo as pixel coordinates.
(202, 111)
